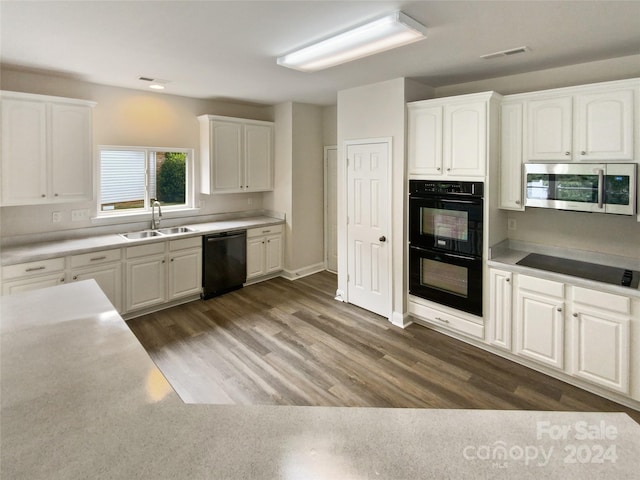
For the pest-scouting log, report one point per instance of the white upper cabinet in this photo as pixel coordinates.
(237, 155)
(587, 123)
(449, 136)
(511, 156)
(549, 129)
(604, 128)
(46, 149)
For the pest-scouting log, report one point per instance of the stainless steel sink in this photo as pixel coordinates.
(175, 230)
(161, 232)
(142, 234)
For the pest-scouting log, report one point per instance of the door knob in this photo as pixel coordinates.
(383, 238)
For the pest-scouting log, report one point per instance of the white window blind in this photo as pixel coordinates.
(122, 175)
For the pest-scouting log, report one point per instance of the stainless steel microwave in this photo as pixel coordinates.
(585, 187)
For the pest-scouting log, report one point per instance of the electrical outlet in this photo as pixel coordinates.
(56, 217)
(512, 224)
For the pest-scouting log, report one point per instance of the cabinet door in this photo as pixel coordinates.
(33, 283)
(255, 257)
(226, 156)
(273, 253)
(24, 152)
(145, 282)
(465, 139)
(540, 328)
(185, 273)
(549, 129)
(500, 309)
(600, 348)
(425, 141)
(604, 129)
(511, 157)
(258, 153)
(109, 279)
(71, 158)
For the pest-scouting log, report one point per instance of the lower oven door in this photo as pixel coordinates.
(449, 279)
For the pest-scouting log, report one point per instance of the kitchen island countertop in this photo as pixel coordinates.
(82, 399)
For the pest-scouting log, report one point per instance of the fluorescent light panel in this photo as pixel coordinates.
(383, 34)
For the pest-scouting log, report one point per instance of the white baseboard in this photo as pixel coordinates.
(401, 320)
(303, 272)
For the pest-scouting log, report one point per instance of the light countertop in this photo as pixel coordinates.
(507, 254)
(82, 399)
(32, 252)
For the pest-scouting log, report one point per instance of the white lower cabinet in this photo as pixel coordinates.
(164, 271)
(583, 332)
(265, 251)
(105, 268)
(185, 267)
(146, 276)
(500, 309)
(539, 320)
(33, 275)
(600, 326)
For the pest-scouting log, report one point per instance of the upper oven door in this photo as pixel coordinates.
(446, 223)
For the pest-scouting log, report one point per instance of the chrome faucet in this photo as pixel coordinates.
(155, 224)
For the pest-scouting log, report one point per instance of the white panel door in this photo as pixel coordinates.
(465, 139)
(500, 308)
(109, 279)
(226, 146)
(600, 349)
(549, 131)
(146, 282)
(425, 141)
(331, 203)
(185, 273)
(273, 257)
(368, 232)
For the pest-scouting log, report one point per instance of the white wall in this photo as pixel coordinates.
(299, 185)
(368, 112)
(609, 234)
(126, 117)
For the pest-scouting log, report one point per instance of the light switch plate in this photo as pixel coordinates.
(80, 214)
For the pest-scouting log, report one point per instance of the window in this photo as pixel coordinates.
(130, 177)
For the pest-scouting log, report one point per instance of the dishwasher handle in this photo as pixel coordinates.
(225, 235)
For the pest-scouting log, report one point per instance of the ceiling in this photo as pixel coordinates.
(228, 50)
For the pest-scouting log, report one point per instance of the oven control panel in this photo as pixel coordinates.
(430, 187)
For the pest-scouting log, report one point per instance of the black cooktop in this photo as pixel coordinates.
(575, 268)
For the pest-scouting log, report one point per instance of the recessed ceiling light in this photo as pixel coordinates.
(155, 83)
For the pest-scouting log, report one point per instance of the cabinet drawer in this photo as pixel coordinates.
(95, 258)
(540, 285)
(257, 232)
(191, 242)
(33, 268)
(143, 250)
(446, 320)
(602, 300)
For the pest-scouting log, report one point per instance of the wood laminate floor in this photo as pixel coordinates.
(290, 343)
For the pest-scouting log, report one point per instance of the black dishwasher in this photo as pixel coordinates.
(224, 262)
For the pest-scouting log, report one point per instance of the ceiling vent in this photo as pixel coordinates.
(146, 79)
(505, 53)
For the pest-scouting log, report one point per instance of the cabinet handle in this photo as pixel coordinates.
(55, 194)
(575, 315)
(62, 280)
(507, 280)
(172, 259)
(559, 309)
(442, 319)
(163, 261)
(438, 169)
(567, 153)
(43, 195)
(266, 231)
(583, 153)
(448, 169)
(95, 259)
(517, 202)
(75, 277)
(34, 269)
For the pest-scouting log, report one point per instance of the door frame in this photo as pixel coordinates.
(326, 202)
(342, 293)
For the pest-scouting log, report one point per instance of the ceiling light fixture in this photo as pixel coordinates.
(154, 83)
(385, 33)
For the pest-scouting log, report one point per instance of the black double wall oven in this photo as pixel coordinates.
(445, 236)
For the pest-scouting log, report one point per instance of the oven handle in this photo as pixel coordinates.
(445, 254)
(473, 201)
